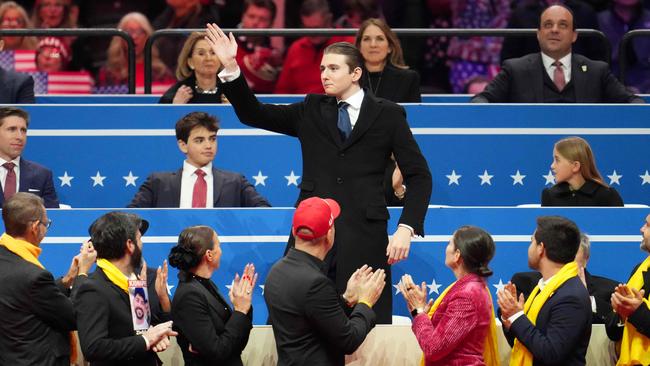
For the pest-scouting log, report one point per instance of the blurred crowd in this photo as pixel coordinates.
(273, 64)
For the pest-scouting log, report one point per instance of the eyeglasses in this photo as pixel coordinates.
(47, 223)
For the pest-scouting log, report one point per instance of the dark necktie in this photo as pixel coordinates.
(200, 192)
(10, 181)
(558, 76)
(344, 124)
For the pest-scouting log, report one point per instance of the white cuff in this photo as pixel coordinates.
(226, 76)
(593, 304)
(146, 341)
(408, 227)
(515, 316)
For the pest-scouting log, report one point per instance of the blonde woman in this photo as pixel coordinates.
(14, 16)
(196, 72)
(116, 70)
(577, 180)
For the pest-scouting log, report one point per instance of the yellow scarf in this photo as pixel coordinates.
(635, 347)
(490, 351)
(114, 274)
(30, 253)
(22, 248)
(520, 355)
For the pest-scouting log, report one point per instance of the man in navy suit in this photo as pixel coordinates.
(18, 174)
(198, 183)
(556, 75)
(558, 333)
(15, 87)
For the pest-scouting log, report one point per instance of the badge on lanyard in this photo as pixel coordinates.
(140, 311)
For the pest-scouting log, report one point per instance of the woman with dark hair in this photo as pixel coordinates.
(577, 180)
(459, 327)
(385, 74)
(196, 71)
(210, 332)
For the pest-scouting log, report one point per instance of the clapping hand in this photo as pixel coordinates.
(158, 336)
(509, 303)
(241, 292)
(626, 300)
(359, 276)
(161, 287)
(415, 297)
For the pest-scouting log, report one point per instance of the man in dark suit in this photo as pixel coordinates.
(553, 327)
(15, 87)
(37, 316)
(345, 152)
(312, 324)
(198, 183)
(106, 325)
(16, 173)
(600, 288)
(630, 321)
(556, 75)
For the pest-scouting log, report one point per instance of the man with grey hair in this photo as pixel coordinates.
(37, 313)
(600, 288)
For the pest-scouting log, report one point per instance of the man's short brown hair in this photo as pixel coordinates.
(19, 210)
(13, 112)
(353, 57)
(186, 124)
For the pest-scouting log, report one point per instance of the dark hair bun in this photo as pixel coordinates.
(484, 271)
(183, 258)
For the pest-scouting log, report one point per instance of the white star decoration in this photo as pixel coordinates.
(485, 179)
(130, 179)
(397, 291)
(292, 179)
(550, 178)
(518, 178)
(645, 178)
(614, 178)
(453, 178)
(260, 179)
(499, 286)
(262, 287)
(169, 289)
(98, 179)
(66, 179)
(433, 287)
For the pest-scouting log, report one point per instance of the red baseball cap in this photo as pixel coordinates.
(315, 214)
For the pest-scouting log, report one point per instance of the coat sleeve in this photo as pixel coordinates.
(415, 171)
(50, 198)
(50, 304)
(284, 119)
(325, 313)
(145, 196)
(249, 195)
(640, 318)
(614, 91)
(414, 95)
(459, 320)
(25, 92)
(191, 316)
(93, 315)
(498, 89)
(565, 326)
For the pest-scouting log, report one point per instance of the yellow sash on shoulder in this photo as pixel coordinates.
(635, 347)
(520, 355)
(22, 248)
(490, 351)
(114, 274)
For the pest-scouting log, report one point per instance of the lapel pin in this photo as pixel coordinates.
(584, 68)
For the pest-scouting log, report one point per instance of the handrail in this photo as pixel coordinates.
(410, 32)
(83, 32)
(622, 49)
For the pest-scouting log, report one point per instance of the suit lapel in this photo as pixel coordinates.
(176, 188)
(537, 72)
(25, 176)
(329, 114)
(646, 284)
(370, 109)
(578, 71)
(217, 186)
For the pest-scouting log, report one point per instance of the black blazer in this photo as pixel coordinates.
(16, 88)
(229, 190)
(562, 330)
(351, 172)
(204, 319)
(197, 98)
(590, 194)
(600, 288)
(36, 179)
(394, 84)
(37, 315)
(640, 318)
(309, 323)
(105, 324)
(521, 80)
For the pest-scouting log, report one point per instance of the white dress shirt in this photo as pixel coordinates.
(4, 171)
(550, 68)
(187, 184)
(354, 106)
(541, 285)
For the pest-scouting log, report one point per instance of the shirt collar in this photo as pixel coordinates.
(189, 169)
(355, 99)
(543, 283)
(16, 161)
(548, 61)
